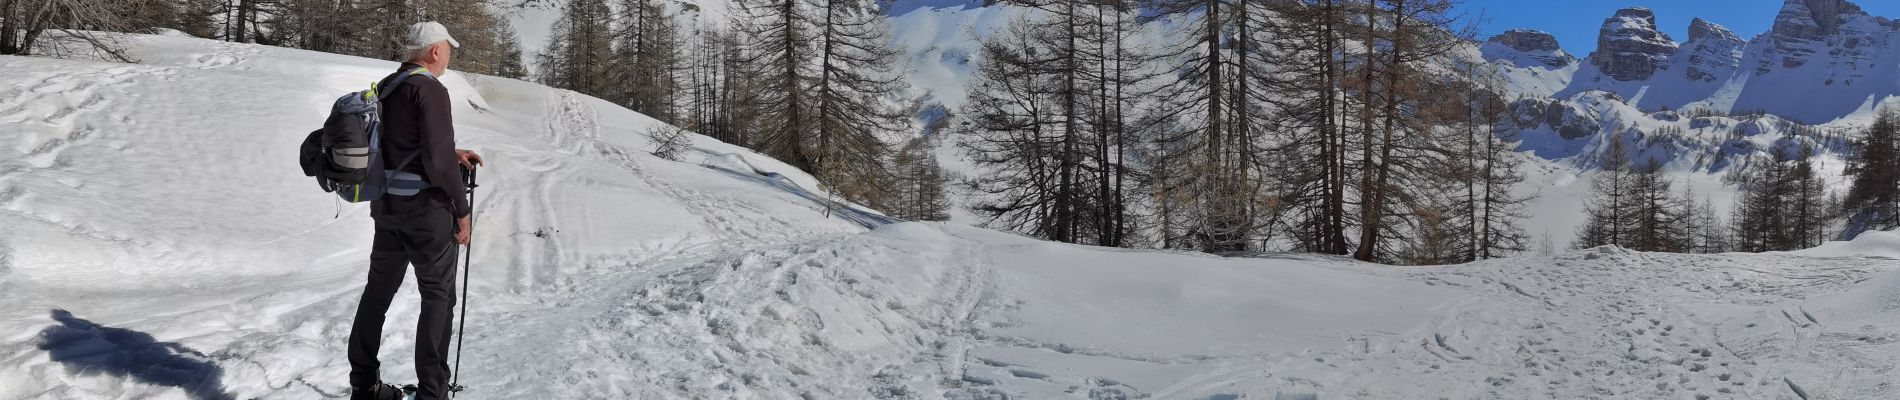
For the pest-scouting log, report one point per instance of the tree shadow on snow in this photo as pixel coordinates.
(87, 348)
(866, 219)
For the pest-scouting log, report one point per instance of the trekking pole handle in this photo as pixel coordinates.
(468, 177)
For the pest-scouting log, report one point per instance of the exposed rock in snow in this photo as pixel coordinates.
(1568, 119)
(1712, 52)
(1526, 48)
(1803, 28)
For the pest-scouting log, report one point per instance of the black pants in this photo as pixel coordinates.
(425, 239)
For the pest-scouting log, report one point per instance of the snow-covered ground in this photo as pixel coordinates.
(160, 243)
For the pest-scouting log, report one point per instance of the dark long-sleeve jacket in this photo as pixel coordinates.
(416, 119)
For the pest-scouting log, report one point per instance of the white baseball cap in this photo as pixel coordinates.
(423, 34)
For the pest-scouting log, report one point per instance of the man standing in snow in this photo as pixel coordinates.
(421, 230)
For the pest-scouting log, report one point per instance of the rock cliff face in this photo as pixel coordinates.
(1713, 52)
(1569, 119)
(1630, 48)
(1833, 31)
(1524, 46)
(1802, 29)
(1821, 63)
(1821, 60)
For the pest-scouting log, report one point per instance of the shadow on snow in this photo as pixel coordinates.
(861, 217)
(87, 348)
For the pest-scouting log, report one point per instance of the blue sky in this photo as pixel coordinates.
(1575, 22)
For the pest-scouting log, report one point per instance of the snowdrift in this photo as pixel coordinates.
(1873, 243)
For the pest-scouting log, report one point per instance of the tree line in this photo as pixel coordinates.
(1783, 203)
(1328, 126)
(812, 83)
(367, 28)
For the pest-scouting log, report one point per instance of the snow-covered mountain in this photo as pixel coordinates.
(160, 243)
(1813, 79)
(1531, 60)
(1822, 61)
(1701, 107)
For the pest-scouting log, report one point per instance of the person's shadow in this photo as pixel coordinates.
(86, 348)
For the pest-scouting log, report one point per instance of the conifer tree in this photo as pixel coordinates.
(1659, 220)
(580, 50)
(1049, 122)
(646, 59)
(824, 94)
(510, 63)
(919, 195)
(1607, 209)
(1873, 199)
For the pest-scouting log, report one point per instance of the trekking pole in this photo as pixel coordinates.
(455, 375)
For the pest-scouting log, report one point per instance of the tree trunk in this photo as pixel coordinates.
(10, 16)
(794, 119)
(1368, 223)
(1375, 204)
(1218, 210)
(824, 100)
(1333, 227)
(1065, 191)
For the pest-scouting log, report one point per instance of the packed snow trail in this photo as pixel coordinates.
(160, 243)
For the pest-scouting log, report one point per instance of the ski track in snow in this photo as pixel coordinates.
(754, 323)
(731, 281)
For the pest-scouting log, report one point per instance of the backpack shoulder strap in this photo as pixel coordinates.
(393, 84)
(397, 82)
(406, 160)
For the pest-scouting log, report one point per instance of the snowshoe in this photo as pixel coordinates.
(382, 391)
(409, 391)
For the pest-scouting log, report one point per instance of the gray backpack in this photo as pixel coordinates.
(346, 155)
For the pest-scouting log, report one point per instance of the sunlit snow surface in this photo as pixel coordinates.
(159, 242)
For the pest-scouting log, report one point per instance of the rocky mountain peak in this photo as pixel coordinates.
(1701, 29)
(1814, 18)
(1528, 46)
(1630, 48)
(1527, 40)
(1803, 27)
(1637, 13)
(1713, 51)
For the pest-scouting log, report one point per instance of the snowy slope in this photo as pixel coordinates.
(140, 196)
(161, 244)
(943, 43)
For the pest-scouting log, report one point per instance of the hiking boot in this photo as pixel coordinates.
(382, 391)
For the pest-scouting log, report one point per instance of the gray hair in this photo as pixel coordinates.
(416, 55)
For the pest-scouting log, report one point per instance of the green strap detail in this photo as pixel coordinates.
(371, 94)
